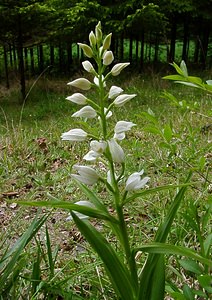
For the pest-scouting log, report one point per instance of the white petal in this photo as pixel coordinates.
(85, 112)
(91, 155)
(119, 136)
(116, 151)
(78, 214)
(74, 135)
(122, 99)
(97, 146)
(77, 98)
(96, 81)
(122, 126)
(88, 66)
(118, 68)
(108, 58)
(81, 83)
(114, 91)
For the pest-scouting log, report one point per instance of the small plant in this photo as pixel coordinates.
(106, 167)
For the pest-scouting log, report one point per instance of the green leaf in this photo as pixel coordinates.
(167, 132)
(191, 266)
(116, 270)
(88, 211)
(187, 292)
(155, 190)
(152, 129)
(208, 244)
(206, 282)
(163, 248)
(13, 255)
(174, 77)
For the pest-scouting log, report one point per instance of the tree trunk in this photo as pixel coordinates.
(121, 48)
(21, 59)
(6, 68)
(32, 62)
(51, 55)
(69, 56)
(131, 48)
(185, 39)
(204, 44)
(11, 55)
(173, 39)
(141, 65)
(41, 61)
(14, 57)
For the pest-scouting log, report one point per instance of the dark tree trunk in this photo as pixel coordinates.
(131, 48)
(121, 47)
(204, 44)
(136, 49)
(6, 68)
(196, 51)
(185, 39)
(41, 60)
(173, 39)
(11, 55)
(14, 57)
(69, 56)
(32, 62)
(26, 59)
(141, 65)
(51, 55)
(156, 49)
(21, 59)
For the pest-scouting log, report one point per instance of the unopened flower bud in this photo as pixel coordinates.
(108, 58)
(98, 32)
(77, 98)
(116, 70)
(107, 41)
(114, 92)
(85, 112)
(86, 49)
(88, 66)
(122, 99)
(116, 151)
(81, 83)
(75, 135)
(92, 39)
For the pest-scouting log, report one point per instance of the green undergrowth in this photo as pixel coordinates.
(168, 142)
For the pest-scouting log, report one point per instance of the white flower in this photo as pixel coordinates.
(108, 58)
(96, 81)
(120, 129)
(88, 66)
(86, 49)
(107, 41)
(114, 92)
(122, 99)
(98, 146)
(92, 39)
(91, 156)
(76, 135)
(78, 214)
(116, 151)
(85, 112)
(81, 83)
(77, 98)
(108, 114)
(85, 174)
(116, 70)
(134, 181)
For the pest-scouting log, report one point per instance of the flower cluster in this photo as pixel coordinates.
(106, 146)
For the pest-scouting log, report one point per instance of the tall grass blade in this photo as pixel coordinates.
(116, 270)
(13, 255)
(146, 284)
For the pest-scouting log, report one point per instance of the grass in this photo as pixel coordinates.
(35, 163)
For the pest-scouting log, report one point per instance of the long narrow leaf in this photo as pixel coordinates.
(7, 268)
(156, 189)
(146, 284)
(116, 270)
(162, 248)
(88, 211)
